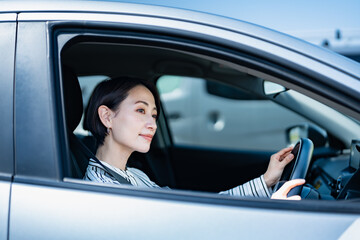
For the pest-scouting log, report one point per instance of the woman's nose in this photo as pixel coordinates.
(151, 124)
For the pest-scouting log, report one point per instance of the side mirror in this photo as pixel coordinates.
(317, 135)
(271, 88)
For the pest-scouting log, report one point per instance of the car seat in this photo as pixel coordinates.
(79, 153)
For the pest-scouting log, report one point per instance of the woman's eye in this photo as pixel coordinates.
(154, 116)
(141, 110)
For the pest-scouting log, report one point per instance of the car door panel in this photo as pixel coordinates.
(35, 110)
(4, 208)
(89, 214)
(209, 169)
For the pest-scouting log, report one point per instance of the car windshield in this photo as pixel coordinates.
(326, 117)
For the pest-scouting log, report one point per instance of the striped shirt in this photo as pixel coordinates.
(95, 172)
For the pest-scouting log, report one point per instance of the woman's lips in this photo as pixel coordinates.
(148, 137)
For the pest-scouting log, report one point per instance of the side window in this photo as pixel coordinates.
(206, 113)
(87, 85)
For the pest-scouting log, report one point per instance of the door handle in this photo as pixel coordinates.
(217, 123)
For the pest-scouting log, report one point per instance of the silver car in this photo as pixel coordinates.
(47, 49)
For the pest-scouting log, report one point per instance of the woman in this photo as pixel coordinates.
(122, 115)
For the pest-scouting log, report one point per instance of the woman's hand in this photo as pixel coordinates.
(278, 161)
(284, 190)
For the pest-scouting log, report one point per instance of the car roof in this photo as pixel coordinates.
(322, 55)
(35, 11)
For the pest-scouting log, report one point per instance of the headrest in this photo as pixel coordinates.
(72, 98)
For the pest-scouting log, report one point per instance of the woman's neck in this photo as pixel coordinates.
(113, 154)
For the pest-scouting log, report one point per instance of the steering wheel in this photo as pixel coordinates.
(298, 167)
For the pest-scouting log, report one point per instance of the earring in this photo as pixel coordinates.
(108, 130)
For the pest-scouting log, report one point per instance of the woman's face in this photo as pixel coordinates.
(133, 124)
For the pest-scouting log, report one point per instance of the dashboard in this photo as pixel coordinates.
(337, 177)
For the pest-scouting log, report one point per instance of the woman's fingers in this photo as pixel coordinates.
(282, 154)
(296, 197)
(287, 159)
(276, 166)
(291, 184)
(284, 151)
(285, 189)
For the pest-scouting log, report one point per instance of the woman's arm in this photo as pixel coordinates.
(254, 188)
(261, 187)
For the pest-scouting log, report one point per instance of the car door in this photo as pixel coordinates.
(48, 203)
(7, 54)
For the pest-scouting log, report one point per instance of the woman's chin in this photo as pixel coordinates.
(143, 150)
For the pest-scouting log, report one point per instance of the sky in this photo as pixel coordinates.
(297, 17)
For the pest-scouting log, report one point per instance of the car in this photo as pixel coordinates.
(48, 50)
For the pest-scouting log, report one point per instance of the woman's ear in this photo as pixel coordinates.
(105, 115)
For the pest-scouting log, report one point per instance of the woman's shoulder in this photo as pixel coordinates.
(97, 174)
(144, 179)
(137, 172)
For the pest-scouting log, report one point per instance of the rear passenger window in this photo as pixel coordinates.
(87, 85)
(207, 113)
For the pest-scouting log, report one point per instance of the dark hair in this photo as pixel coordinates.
(111, 93)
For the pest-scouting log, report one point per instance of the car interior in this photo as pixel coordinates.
(333, 171)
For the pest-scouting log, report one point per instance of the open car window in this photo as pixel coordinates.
(87, 85)
(216, 116)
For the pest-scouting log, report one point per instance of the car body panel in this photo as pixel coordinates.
(8, 17)
(81, 214)
(4, 208)
(35, 103)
